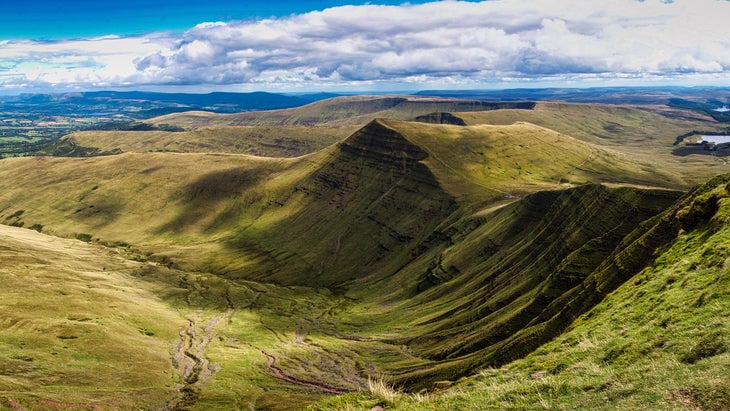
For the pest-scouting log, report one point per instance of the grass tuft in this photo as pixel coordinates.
(384, 392)
(710, 345)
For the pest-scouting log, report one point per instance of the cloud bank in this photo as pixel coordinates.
(440, 44)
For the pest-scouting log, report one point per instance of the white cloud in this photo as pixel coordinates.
(447, 42)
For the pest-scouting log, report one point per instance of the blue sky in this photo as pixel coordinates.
(55, 20)
(214, 45)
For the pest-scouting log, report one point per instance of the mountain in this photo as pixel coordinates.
(532, 256)
(350, 110)
(602, 95)
(254, 207)
(656, 340)
(426, 254)
(142, 104)
(645, 133)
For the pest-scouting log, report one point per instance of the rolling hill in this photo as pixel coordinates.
(647, 133)
(416, 252)
(338, 111)
(261, 141)
(391, 182)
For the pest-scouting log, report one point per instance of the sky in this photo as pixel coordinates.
(329, 45)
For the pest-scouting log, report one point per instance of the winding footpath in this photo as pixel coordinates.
(278, 373)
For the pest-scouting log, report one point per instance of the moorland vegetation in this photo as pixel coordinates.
(401, 252)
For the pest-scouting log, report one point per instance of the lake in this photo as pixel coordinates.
(716, 139)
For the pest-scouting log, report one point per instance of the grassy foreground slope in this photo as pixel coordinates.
(91, 327)
(492, 288)
(80, 328)
(659, 341)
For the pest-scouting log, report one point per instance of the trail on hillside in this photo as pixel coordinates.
(188, 358)
(278, 373)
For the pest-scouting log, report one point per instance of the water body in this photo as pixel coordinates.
(716, 139)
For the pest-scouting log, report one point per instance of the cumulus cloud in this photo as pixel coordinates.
(438, 43)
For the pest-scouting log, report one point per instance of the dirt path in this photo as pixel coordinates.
(278, 373)
(189, 359)
(590, 157)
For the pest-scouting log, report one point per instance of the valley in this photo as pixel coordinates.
(408, 252)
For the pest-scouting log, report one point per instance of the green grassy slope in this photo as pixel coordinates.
(646, 133)
(264, 141)
(79, 329)
(377, 194)
(521, 158)
(354, 110)
(620, 125)
(93, 327)
(413, 250)
(129, 197)
(469, 298)
(659, 341)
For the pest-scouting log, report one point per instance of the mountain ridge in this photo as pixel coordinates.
(416, 252)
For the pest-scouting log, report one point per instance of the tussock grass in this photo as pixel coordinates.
(79, 328)
(384, 392)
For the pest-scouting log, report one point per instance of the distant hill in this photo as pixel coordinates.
(604, 95)
(140, 105)
(350, 110)
(264, 141)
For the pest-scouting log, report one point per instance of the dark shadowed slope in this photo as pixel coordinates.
(470, 296)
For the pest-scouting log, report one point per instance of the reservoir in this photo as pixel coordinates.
(716, 139)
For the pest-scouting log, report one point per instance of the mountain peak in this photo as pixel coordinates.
(380, 141)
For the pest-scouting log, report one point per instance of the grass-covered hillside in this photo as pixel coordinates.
(320, 219)
(648, 133)
(659, 341)
(262, 141)
(338, 111)
(78, 328)
(412, 254)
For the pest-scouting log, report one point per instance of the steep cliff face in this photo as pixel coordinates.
(657, 341)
